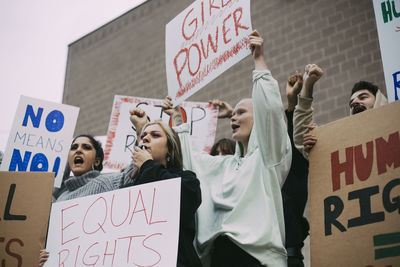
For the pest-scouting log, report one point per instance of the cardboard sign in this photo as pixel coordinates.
(134, 226)
(355, 190)
(40, 137)
(25, 199)
(121, 135)
(387, 15)
(202, 42)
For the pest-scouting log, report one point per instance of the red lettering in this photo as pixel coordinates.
(96, 211)
(152, 209)
(225, 31)
(212, 6)
(237, 20)
(337, 168)
(96, 256)
(129, 247)
(225, 4)
(144, 245)
(202, 13)
(13, 254)
(179, 72)
(214, 46)
(190, 24)
(143, 207)
(61, 263)
(388, 153)
(109, 254)
(364, 164)
(127, 213)
(76, 256)
(63, 228)
(198, 65)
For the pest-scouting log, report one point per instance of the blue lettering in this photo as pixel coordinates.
(60, 146)
(54, 121)
(17, 162)
(396, 81)
(35, 119)
(29, 139)
(20, 137)
(56, 166)
(39, 163)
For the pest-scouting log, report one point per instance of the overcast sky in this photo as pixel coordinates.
(34, 43)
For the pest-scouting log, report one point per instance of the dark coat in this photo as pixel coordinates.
(152, 171)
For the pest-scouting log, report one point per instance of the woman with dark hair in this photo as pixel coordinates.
(159, 157)
(222, 147)
(85, 161)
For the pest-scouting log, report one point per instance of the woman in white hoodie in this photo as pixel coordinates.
(240, 221)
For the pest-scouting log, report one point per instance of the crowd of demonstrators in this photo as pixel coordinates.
(364, 96)
(241, 205)
(241, 222)
(159, 157)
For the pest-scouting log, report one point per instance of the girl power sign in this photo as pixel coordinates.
(203, 41)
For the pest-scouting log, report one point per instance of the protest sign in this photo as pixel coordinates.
(135, 226)
(202, 42)
(25, 199)
(354, 190)
(40, 137)
(387, 15)
(121, 135)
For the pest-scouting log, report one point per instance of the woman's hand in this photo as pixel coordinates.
(225, 110)
(43, 257)
(257, 50)
(140, 156)
(138, 118)
(174, 113)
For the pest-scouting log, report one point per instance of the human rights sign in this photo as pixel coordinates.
(354, 190)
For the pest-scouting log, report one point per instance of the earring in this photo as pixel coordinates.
(168, 158)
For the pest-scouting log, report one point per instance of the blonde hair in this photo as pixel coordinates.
(173, 144)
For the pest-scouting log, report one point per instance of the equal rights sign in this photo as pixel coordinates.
(391, 241)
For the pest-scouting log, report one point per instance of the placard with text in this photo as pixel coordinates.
(25, 199)
(134, 226)
(40, 137)
(354, 190)
(387, 15)
(202, 42)
(121, 135)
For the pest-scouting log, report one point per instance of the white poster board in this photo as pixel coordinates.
(134, 226)
(40, 137)
(121, 136)
(387, 14)
(202, 42)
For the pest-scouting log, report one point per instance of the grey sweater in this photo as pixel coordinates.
(92, 183)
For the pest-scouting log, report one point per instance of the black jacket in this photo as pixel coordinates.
(152, 171)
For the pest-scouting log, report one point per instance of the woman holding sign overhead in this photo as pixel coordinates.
(159, 157)
(240, 222)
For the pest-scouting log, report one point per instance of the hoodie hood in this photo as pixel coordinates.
(251, 146)
(380, 99)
